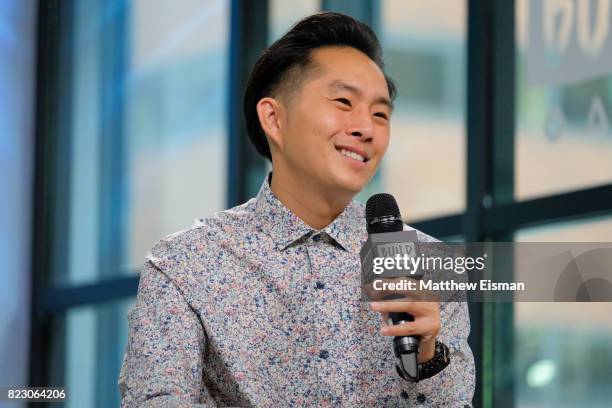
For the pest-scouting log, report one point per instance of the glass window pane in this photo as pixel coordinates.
(564, 97)
(96, 337)
(145, 110)
(284, 14)
(563, 351)
(17, 157)
(424, 48)
(598, 229)
(177, 118)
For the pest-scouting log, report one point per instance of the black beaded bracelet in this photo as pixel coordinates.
(438, 363)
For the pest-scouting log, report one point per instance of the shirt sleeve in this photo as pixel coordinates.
(162, 366)
(453, 387)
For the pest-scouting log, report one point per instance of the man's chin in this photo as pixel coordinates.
(350, 186)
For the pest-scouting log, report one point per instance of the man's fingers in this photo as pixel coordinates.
(404, 329)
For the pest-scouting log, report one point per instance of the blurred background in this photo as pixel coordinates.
(120, 123)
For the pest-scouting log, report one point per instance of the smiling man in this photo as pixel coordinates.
(260, 305)
(326, 136)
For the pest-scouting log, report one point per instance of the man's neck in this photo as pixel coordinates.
(307, 200)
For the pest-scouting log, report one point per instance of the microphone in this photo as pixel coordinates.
(386, 238)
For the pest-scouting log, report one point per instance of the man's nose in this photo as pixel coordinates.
(361, 125)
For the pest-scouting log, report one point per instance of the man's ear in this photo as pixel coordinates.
(269, 111)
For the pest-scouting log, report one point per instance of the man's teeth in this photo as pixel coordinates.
(352, 155)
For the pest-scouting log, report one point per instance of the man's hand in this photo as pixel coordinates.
(426, 323)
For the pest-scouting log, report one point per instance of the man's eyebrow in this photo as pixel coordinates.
(340, 85)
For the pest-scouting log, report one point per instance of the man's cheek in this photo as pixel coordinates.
(384, 141)
(377, 160)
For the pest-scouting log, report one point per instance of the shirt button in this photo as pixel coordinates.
(317, 238)
(404, 395)
(421, 398)
(324, 354)
(319, 285)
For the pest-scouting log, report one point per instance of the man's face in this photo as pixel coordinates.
(336, 127)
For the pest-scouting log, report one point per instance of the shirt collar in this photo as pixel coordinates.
(347, 229)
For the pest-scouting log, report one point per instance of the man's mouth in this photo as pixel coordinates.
(352, 155)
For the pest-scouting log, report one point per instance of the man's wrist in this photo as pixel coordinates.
(427, 350)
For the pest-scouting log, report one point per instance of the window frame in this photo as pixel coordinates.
(491, 210)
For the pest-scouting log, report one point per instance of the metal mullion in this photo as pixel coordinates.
(490, 175)
(588, 202)
(51, 179)
(479, 129)
(500, 319)
(509, 216)
(248, 37)
(56, 300)
(444, 226)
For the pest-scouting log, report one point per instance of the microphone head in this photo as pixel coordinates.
(383, 214)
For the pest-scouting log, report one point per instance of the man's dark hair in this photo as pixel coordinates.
(282, 66)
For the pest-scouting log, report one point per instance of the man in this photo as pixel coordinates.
(260, 305)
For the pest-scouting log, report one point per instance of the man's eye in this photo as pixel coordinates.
(382, 115)
(344, 101)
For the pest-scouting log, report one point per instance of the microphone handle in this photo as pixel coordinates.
(405, 348)
(403, 344)
(397, 317)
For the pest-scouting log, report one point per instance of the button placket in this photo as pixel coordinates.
(318, 299)
(313, 253)
(329, 267)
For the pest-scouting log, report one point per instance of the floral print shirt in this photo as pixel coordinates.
(253, 308)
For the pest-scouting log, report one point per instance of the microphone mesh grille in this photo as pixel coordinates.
(380, 205)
